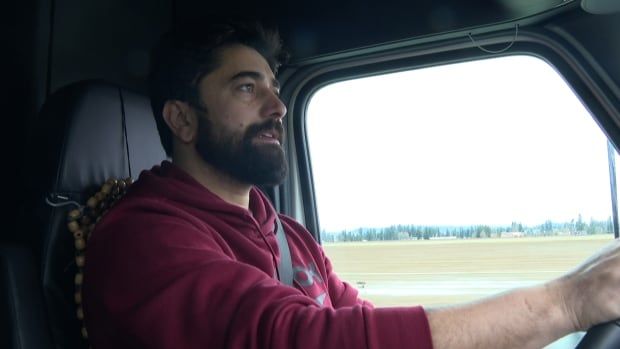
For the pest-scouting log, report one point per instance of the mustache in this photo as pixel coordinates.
(268, 125)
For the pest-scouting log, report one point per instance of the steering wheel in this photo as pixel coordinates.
(603, 336)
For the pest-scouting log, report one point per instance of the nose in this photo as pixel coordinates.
(274, 107)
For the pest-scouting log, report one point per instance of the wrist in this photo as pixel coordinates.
(563, 304)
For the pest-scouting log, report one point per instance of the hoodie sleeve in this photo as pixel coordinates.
(153, 280)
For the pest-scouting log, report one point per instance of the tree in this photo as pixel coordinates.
(580, 225)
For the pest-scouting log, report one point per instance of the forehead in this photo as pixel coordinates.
(237, 58)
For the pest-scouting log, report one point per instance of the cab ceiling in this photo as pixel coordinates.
(87, 44)
(312, 28)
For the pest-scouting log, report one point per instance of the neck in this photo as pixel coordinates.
(219, 183)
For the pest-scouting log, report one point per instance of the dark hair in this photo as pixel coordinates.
(185, 55)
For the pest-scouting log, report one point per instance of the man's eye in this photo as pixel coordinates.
(247, 87)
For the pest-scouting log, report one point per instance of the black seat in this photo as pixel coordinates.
(86, 133)
(23, 320)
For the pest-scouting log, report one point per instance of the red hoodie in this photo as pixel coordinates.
(175, 266)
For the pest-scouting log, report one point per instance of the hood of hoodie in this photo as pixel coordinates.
(168, 182)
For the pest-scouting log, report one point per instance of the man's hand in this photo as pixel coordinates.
(591, 292)
(533, 317)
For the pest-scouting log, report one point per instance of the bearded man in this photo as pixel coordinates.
(190, 258)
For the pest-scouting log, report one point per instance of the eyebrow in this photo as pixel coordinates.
(254, 75)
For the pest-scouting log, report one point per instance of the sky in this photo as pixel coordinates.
(485, 142)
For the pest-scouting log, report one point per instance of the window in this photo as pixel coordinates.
(450, 183)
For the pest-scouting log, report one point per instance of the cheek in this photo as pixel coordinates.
(235, 122)
(231, 125)
(232, 116)
(231, 121)
(236, 116)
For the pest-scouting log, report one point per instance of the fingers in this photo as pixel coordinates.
(591, 292)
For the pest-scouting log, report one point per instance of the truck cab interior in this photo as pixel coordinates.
(77, 110)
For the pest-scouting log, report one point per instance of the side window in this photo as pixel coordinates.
(451, 183)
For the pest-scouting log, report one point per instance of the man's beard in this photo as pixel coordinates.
(237, 155)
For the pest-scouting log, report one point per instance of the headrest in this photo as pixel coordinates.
(86, 133)
(89, 120)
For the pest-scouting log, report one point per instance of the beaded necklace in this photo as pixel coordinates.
(81, 223)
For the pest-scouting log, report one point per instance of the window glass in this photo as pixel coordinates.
(447, 184)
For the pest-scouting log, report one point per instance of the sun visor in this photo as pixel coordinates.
(600, 7)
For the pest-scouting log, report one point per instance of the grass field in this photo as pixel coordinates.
(435, 272)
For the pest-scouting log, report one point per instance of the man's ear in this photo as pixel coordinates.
(181, 120)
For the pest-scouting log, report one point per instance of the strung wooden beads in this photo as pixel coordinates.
(81, 222)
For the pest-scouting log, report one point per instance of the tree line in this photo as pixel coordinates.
(425, 232)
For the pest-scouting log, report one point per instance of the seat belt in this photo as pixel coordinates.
(285, 265)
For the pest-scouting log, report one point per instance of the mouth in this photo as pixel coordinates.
(268, 137)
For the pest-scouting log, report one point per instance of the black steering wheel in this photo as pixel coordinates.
(603, 336)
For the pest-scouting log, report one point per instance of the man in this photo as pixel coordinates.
(189, 258)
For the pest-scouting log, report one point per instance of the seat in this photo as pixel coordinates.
(86, 133)
(23, 320)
